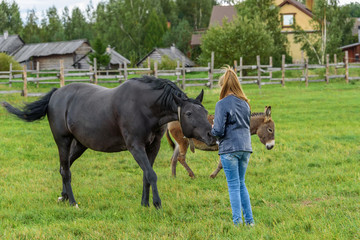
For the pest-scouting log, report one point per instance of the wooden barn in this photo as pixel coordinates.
(49, 54)
(116, 60)
(10, 44)
(353, 50)
(173, 53)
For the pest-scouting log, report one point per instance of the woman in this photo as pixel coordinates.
(232, 128)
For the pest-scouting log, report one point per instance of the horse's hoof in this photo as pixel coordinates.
(145, 204)
(212, 176)
(60, 199)
(157, 205)
(76, 206)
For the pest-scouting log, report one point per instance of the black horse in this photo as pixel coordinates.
(130, 117)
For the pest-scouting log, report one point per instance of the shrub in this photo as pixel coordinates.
(5, 61)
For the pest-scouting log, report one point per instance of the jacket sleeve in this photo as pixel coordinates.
(218, 129)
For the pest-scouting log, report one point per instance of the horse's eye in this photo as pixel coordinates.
(188, 114)
(270, 130)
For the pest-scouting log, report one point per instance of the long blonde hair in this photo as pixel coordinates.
(230, 84)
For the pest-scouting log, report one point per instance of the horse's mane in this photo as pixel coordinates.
(169, 88)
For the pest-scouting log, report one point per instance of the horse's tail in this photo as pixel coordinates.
(170, 141)
(31, 111)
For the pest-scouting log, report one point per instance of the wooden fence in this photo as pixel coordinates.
(260, 74)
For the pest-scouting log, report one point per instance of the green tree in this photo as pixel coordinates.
(102, 57)
(353, 9)
(332, 30)
(31, 31)
(51, 27)
(75, 26)
(179, 35)
(269, 14)
(154, 31)
(10, 19)
(196, 12)
(242, 37)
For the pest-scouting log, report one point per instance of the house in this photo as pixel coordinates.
(173, 53)
(290, 12)
(116, 59)
(9, 44)
(353, 50)
(49, 54)
(293, 12)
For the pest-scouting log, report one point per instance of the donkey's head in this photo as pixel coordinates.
(193, 119)
(266, 129)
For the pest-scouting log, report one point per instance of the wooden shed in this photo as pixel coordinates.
(353, 51)
(49, 54)
(173, 53)
(10, 44)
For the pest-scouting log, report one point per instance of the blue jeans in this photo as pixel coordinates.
(235, 165)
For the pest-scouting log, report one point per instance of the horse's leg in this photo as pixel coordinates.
(76, 150)
(182, 154)
(217, 170)
(174, 160)
(64, 144)
(152, 150)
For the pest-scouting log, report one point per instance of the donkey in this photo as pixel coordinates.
(132, 116)
(260, 124)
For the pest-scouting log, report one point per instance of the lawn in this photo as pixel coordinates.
(307, 187)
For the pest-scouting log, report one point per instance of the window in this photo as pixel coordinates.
(357, 59)
(288, 20)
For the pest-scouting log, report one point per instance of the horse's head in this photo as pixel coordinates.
(193, 119)
(266, 130)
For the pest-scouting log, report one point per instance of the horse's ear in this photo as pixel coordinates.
(177, 100)
(201, 96)
(268, 111)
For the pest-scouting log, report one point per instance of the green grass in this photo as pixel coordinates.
(307, 187)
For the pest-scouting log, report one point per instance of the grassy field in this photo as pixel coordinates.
(307, 187)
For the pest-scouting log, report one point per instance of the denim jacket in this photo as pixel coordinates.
(232, 125)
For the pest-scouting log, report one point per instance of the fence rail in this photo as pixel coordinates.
(262, 74)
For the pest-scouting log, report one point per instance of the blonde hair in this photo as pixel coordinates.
(230, 84)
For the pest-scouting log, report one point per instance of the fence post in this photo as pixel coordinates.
(235, 65)
(271, 65)
(347, 67)
(335, 61)
(10, 75)
(125, 72)
(327, 69)
(95, 72)
(25, 93)
(283, 70)
(241, 69)
(91, 75)
(302, 61)
(155, 69)
(120, 72)
(259, 70)
(37, 73)
(149, 65)
(183, 73)
(306, 72)
(62, 80)
(210, 75)
(176, 72)
(212, 70)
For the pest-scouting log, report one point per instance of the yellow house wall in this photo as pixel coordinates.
(301, 19)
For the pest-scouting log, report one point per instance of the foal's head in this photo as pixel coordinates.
(193, 119)
(266, 129)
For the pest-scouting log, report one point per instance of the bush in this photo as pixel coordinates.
(165, 64)
(5, 61)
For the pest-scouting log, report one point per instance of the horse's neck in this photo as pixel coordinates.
(168, 117)
(255, 122)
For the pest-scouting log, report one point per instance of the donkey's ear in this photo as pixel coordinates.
(268, 111)
(201, 96)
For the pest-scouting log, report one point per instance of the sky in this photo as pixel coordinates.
(41, 6)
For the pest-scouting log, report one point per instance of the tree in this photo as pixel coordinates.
(102, 57)
(75, 26)
(10, 19)
(269, 14)
(5, 61)
(353, 9)
(332, 30)
(154, 31)
(31, 31)
(51, 26)
(179, 35)
(242, 37)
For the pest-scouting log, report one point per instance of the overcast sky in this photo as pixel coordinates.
(42, 5)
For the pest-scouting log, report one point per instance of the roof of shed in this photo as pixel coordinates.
(172, 52)
(117, 58)
(350, 46)
(9, 44)
(47, 49)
